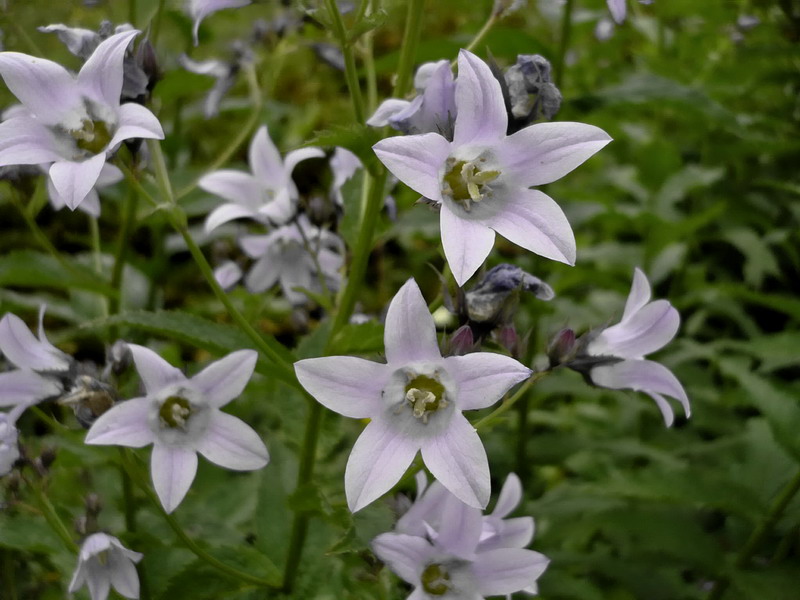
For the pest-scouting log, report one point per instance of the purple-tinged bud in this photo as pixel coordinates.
(461, 342)
(562, 348)
(507, 337)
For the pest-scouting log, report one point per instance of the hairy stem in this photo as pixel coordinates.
(759, 534)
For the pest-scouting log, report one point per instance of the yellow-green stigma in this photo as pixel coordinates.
(435, 580)
(175, 412)
(93, 137)
(102, 557)
(426, 396)
(466, 183)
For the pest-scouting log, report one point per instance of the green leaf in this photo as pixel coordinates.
(28, 268)
(361, 338)
(367, 24)
(356, 137)
(759, 259)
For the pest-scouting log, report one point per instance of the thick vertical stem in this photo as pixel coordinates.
(350, 70)
(563, 42)
(125, 229)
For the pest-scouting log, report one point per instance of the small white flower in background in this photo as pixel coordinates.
(181, 416)
(200, 9)
(40, 365)
(291, 255)
(104, 563)
(268, 195)
(73, 123)
(619, 9)
(9, 437)
(224, 74)
(228, 274)
(344, 165)
(414, 404)
(645, 327)
(446, 549)
(481, 178)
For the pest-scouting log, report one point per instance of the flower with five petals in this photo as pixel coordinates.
(104, 562)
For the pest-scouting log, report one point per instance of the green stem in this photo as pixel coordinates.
(408, 51)
(484, 31)
(128, 500)
(9, 580)
(563, 42)
(350, 70)
(522, 438)
(368, 58)
(55, 522)
(97, 258)
(132, 12)
(136, 474)
(126, 227)
(157, 21)
(759, 534)
(54, 425)
(509, 402)
(244, 133)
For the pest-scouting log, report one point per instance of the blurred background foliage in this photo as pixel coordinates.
(700, 189)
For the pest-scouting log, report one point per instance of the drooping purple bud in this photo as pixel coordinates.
(562, 347)
(507, 337)
(496, 296)
(461, 342)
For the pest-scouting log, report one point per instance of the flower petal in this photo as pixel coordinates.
(405, 554)
(98, 581)
(533, 220)
(466, 241)
(416, 161)
(227, 212)
(26, 141)
(347, 385)
(510, 533)
(123, 575)
(155, 372)
(482, 117)
(231, 443)
(457, 458)
(101, 75)
(460, 528)
(225, 379)
(228, 274)
(639, 294)
(21, 348)
(236, 187)
(74, 180)
(173, 470)
(483, 377)
(618, 9)
(664, 407)
(124, 424)
(545, 152)
(265, 160)
(136, 121)
(507, 570)
(294, 157)
(22, 387)
(264, 273)
(427, 509)
(386, 110)
(641, 376)
(378, 460)
(410, 333)
(46, 88)
(200, 9)
(510, 496)
(647, 330)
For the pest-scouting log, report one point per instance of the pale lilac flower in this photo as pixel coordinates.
(344, 165)
(40, 365)
(268, 195)
(109, 176)
(9, 436)
(481, 179)
(432, 110)
(645, 327)
(228, 274)
(200, 9)
(450, 560)
(415, 403)
(294, 255)
(619, 8)
(181, 416)
(104, 563)
(74, 123)
(224, 74)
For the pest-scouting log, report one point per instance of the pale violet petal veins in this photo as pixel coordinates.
(405, 554)
(136, 121)
(225, 379)
(228, 212)
(618, 9)
(533, 220)
(466, 242)
(265, 160)
(426, 510)
(482, 117)
(647, 330)
(483, 377)
(347, 385)
(46, 88)
(23, 387)
(20, 347)
(74, 180)
(410, 333)
(639, 295)
(231, 443)
(510, 496)
(459, 529)
(380, 456)
(124, 424)
(26, 141)
(100, 78)
(386, 110)
(173, 470)
(507, 570)
(416, 160)
(641, 376)
(545, 152)
(457, 458)
(155, 372)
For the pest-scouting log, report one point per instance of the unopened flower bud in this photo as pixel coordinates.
(495, 298)
(532, 95)
(47, 458)
(508, 338)
(461, 342)
(562, 347)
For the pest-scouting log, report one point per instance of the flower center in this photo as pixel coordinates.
(175, 412)
(436, 580)
(93, 137)
(466, 183)
(102, 557)
(426, 396)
